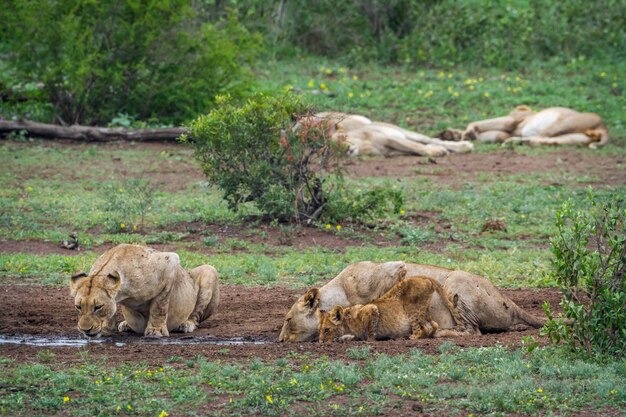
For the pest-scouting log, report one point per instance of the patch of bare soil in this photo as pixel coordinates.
(456, 169)
(249, 314)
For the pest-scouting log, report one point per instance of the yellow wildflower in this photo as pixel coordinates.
(350, 94)
(355, 77)
(428, 94)
(487, 94)
(539, 390)
(401, 212)
(342, 70)
(449, 89)
(163, 414)
(66, 399)
(323, 86)
(129, 407)
(603, 74)
(328, 226)
(613, 392)
(311, 83)
(471, 87)
(339, 228)
(329, 71)
(456, 94)
(269, 399)
(441, 74)
(122, 225)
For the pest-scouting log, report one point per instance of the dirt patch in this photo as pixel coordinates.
(456, 169)
(249, 313)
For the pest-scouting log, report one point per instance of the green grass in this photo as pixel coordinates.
(542, 381)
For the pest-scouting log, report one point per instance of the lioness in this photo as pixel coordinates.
(478, 303)
(361, 136)
(155, 293)
(551, 126)
(403, 311)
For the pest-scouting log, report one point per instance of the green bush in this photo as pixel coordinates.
(147, 59)
(253, 153)
(590, 262)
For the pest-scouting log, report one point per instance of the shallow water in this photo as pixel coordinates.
(60, 341)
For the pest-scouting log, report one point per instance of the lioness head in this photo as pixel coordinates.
(94, 298)
(330, 327)
(301, 321)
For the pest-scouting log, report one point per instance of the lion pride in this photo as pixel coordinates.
(156, 295)
(478, 303)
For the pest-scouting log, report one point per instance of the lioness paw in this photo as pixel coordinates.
(153, 332)
(124, 327)
(187, 327)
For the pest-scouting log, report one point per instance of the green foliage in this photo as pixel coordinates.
(254, 154)
(360, 206)
(147, 59)
(484, 32)
(590, 266)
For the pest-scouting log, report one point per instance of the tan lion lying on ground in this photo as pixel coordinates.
(155, 293)
(365, 137)
(478, 303)
(403, 311)
(551, 126)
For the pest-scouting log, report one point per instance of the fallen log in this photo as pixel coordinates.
(90, 133)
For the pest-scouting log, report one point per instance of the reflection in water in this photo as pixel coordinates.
(58, 341)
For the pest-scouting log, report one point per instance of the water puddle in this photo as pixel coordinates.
(60, 341)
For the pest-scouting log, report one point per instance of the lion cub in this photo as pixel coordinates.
(402, 311)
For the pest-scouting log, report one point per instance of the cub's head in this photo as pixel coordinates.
(330, 327)
(94, 298)
(301, 321)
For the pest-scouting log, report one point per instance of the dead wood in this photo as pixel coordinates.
(90, 133)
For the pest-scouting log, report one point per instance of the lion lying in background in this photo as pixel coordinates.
(155, 293)
(365, 137)
(478, 303)
(551, 126)
(403, 311)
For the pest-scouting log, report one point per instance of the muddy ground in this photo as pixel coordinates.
(248, 314)
(255, 314)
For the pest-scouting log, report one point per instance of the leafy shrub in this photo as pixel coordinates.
(96, 59)
(590, 262)
(253, 153)
(360, 206)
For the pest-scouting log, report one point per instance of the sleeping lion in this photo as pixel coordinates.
(551, 126)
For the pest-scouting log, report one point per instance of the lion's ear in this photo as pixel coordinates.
(113, 280)
(523, 107)
(336, 315)
(312, 299)
(74, 279)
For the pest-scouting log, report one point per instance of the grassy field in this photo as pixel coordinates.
(49, 191)
(459, 382)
